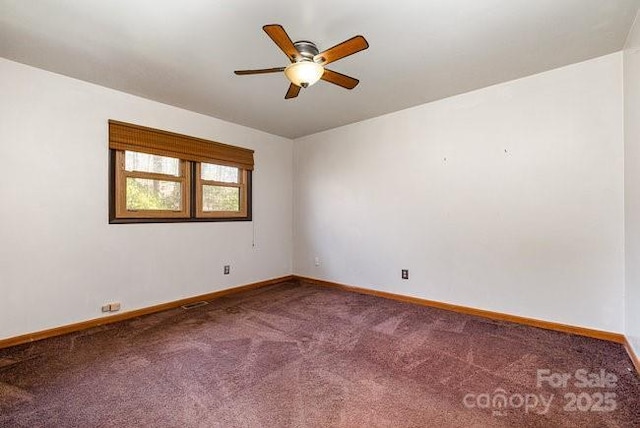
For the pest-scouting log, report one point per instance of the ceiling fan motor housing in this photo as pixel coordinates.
(307, 49)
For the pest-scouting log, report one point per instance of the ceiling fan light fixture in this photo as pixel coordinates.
(304, 73)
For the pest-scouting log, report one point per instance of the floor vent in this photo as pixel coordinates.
(194, 305)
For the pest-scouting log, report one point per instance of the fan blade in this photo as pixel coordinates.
(339, 79)
(281, 38)
(346, 48)
(260, 71)
(292, 92)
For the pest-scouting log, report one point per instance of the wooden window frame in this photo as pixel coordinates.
(122, 174)
(200, 183)
(191, 153)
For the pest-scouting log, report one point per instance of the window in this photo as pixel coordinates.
(151, 186)
(220, 191)
(158, 176)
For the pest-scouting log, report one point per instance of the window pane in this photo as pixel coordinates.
(220, 198)
(144, 162)
(224, 174)
(145, 194)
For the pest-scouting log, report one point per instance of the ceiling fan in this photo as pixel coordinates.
(307, 64)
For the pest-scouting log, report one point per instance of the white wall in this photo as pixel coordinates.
(632, 183)
(509, 199)
(60, 260)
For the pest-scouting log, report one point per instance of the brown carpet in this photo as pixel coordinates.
(302, 356)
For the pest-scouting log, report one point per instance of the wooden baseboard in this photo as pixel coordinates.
(635, 359)
(57, 331)
(548, 325)
(581, 331)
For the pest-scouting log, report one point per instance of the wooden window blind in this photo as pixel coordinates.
(126, 136)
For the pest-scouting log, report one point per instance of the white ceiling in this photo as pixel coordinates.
(184, 52)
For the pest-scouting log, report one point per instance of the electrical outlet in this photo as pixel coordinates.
(405, 273)
(317, 261)
(227, 269)
(111, 307)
